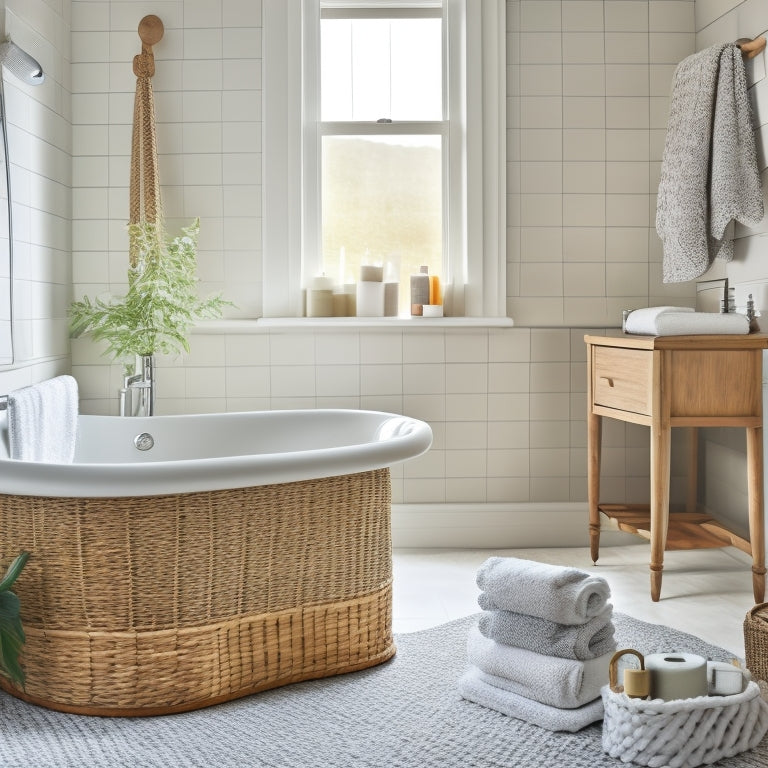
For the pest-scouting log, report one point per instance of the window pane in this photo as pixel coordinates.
(381, 68)
(382, 204)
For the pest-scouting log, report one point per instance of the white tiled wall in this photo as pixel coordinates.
(39, 138)
(588, 84)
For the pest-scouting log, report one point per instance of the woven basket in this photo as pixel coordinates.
(159, 604)
(756, 641)
(683, 733)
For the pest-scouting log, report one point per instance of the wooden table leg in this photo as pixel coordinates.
(691, 501)
(756, 521)
(594, 437)
(660, 454)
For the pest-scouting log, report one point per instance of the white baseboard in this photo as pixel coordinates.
(496, 526)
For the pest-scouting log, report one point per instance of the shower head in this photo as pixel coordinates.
(20, 63)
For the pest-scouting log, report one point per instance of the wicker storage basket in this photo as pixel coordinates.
(756, 641)
(683, 733)
(160, 604)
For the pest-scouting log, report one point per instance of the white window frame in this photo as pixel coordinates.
(476, 234)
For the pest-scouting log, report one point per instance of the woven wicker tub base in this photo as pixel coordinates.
(163, 604)
(128, 674)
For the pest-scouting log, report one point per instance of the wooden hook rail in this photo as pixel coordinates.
(751, 48)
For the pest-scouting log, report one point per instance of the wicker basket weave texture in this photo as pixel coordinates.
(756, 641)
(170, 601)
(165, 562)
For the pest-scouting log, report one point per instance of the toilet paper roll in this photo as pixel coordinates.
(677, 675)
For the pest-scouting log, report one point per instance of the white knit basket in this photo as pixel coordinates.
(683, 733)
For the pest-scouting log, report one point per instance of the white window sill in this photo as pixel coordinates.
(266, 324)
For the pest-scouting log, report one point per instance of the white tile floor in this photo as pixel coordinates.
(706, 592)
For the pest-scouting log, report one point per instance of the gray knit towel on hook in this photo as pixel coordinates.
(709, 172)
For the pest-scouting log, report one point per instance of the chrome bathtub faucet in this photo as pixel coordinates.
(137, 395)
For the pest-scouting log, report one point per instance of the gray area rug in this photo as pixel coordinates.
(403, 713)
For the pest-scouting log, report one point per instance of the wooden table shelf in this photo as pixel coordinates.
(677, 381)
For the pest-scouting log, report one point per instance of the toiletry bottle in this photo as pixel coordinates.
(754, 326)
(419, 291)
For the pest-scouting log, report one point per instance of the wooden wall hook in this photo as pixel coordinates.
(751, 48)
(151, 30)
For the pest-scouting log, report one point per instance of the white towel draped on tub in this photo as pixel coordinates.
(709, 172)
(553, 592)
(42, 421)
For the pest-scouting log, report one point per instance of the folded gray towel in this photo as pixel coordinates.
(557, 593)
(472, 688)
(709, 171)
(563, 683)
(42, 421)
(567, 641)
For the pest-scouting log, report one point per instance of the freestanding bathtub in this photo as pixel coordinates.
(182, 561)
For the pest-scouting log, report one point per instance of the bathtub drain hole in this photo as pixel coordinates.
(144, 441)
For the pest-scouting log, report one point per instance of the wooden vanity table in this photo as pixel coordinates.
(677, 381)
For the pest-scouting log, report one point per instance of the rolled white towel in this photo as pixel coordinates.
(557, 593)
(563, 683)
(474, 689)
(567, 641)
(681, 321)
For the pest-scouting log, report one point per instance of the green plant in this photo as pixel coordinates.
(11, 632)
(161, 304)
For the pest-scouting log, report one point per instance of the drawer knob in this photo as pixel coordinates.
(607, 380)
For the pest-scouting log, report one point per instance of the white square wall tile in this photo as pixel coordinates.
(626, 48)
(584, 243)
(629, 80)
(627, 210)
(671, 15)
(584, 210)
(628, 279)
(584, 80)
(626, 15)
(423, 348)
(583, 48)
(541, 177)
(541, 279)
(583, 112)
(541, 244)
(549, 345)
(337, 380)
(466, 378)
(423, 378)
(541, 79)
(583, 16)
(536, 16)
(540, 47)
(584, 279)
(584, 178)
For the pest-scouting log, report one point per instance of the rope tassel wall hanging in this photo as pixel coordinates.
(145, 181)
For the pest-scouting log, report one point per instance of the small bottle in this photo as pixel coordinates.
(419, 291)
(754, 326)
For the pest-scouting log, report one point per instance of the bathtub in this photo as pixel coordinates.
(183, 561)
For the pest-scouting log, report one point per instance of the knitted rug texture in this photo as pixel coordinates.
(406, 712)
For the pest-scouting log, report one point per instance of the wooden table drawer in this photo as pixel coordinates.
(623, 379)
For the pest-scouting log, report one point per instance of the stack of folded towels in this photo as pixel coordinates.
(543, 643)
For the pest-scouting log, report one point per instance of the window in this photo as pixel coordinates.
(383, 144)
